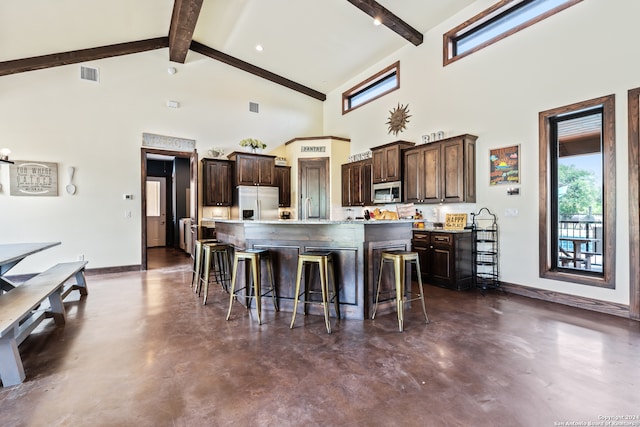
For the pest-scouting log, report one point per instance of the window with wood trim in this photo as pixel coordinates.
(374, 87)
(577, 192)
(499, 21)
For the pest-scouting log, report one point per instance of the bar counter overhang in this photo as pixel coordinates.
(356, 246)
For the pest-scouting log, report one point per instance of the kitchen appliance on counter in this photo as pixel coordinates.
(255, 202)
(387, 192)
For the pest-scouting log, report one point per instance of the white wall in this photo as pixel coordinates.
(52, 116)
(581, 53)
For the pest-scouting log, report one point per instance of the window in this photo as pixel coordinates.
(499, 21)
(374, 87)
(577, 193)
(153, 198)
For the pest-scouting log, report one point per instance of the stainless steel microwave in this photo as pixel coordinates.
(387, 192)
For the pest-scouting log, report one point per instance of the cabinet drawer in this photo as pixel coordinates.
(421, 236)
(441, 239)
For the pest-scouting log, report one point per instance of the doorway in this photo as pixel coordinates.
(313, 184)
(180, 172)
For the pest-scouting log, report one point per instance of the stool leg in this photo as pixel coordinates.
(233, 284)
(273, 282)
(255, 267)
(323, 288)
(336, 301)
(226, 257)
(399, 272)
(297, 293)
(375, 307)
(197, 265)
(207, 271)
(424, 308)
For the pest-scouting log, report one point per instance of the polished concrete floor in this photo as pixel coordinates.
(140, 350)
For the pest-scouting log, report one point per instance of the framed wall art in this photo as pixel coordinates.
(504, 165)
(31, 178)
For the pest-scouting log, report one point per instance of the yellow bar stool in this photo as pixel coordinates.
(216, 255)
(253, 258)
(197, 264)
(324, 260)
(399, 258)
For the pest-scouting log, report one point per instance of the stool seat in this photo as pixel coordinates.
(254, 258)
(399, 258)
(324, 260)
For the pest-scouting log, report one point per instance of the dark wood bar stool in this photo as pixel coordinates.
(324, 260)
(399, 259)
(254, 258)
(217, 257)
(197, 263)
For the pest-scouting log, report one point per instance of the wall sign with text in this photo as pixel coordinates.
(30, 178)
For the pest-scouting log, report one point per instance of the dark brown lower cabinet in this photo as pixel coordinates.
(445, 258)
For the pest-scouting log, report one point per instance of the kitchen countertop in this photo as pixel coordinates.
(317, 221)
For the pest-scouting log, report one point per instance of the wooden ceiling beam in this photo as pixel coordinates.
(387, 18)
(183, 23)
(260, 72)
(82, 55)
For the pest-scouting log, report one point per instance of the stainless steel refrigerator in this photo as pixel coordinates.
(255, 202)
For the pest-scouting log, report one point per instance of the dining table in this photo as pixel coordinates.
(12, 253)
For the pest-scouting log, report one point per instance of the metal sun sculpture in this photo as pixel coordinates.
(398, 119)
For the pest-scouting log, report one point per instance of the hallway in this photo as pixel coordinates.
(141, 350)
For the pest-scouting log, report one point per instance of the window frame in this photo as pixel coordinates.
(547, 230)
(486, 17)
(379, 77)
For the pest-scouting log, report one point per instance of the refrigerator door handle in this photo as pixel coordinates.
(257, 209)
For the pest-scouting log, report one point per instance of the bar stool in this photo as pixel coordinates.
(196, 271)
(216, 255)
(324, 259)
(399, 258)
(254, 256)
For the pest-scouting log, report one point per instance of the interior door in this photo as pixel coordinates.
(313, 183)
(156, 211)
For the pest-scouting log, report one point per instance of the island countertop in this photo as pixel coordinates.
(356, 246)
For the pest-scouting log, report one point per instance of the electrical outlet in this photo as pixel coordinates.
(511, 212)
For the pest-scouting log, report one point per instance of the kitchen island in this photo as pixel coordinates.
(356, 246)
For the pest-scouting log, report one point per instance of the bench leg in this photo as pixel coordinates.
(57, 308)
(81, 283)
(11, 370)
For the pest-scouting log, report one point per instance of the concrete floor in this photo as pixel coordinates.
(141, 350)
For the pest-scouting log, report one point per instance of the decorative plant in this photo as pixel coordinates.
(216, 152)
(253, 143)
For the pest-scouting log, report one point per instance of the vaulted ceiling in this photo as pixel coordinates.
(311, 46)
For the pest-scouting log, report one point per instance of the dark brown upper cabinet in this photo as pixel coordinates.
(216, 186)
(283, 181)
(387, 161)
(356, 183)
(441, 172)
(253, 169)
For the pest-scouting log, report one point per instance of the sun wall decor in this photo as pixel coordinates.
(398, 118)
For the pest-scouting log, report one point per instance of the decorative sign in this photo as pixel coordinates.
(455, 221)
(504, 166)
(30, 178)
(360, 156)
(168, 142)
(313, 149)
(406, 211)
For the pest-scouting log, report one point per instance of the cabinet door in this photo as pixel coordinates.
(247, 170)
(346, 185)
(266, 168)
(413, 179)
(283, 181)
(217, 183)
(392, 164)
(431, 174)
(453, 171)
(356, 184)
(378, 166)
(420, 244)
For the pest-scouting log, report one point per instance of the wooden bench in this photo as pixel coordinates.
(19, 313)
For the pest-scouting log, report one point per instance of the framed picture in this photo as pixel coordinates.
(31, 178)
(504, 165)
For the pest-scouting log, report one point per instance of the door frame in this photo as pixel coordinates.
(633, 106)
(193, 185)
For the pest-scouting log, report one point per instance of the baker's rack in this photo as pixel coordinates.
(486, 274)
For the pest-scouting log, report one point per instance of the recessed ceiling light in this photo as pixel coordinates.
(377, 22)
(259, 47)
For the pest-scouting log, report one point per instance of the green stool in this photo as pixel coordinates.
(399, 258)
(324, 260)
(254, 258)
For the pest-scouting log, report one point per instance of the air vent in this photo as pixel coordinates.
(254, 107)
(89, 73)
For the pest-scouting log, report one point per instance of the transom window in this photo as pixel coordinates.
(577, 193)
(374, 87)
(499, 21)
